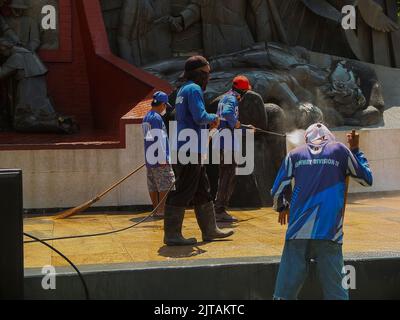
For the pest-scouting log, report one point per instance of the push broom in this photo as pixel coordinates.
(74, 211)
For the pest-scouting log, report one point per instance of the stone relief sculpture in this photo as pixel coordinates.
(143, 37)
(234, 35)
(25, 27)
(316, 25)
(25, 105)
(269, 41)
(183, 27)
(31, 109)
(225, 25)
(346, 94)
(49, 38)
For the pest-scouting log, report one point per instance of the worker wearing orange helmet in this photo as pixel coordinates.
(228, 111)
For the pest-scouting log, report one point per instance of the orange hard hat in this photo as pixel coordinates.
(242, 83)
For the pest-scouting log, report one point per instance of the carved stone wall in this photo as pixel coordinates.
(111, 14)
(49, 38)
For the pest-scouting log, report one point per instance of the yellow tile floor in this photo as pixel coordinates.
(371, 225)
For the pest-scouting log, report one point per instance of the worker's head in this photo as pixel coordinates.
(197, 69)
(160, 102)
(19, 7)
(317, 137)
(241, 85)
(6, 47)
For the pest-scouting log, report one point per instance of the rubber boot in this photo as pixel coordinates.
(173, 221)
(223, 216)
(205, 215)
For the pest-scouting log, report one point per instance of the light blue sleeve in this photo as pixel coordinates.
(197, 107)
(359, 169)
(229, 111)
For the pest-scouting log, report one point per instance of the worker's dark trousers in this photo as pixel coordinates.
(226, 184)
(192, 186)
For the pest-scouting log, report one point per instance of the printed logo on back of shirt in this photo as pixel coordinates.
(317, 162)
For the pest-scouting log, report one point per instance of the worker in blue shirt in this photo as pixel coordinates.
(315, 210)
(228, 111)
(160, 176)
(192, 186)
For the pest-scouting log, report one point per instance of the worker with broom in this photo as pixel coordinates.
(316, 210)
(160, 176)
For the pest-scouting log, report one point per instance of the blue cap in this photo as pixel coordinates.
(160, 97)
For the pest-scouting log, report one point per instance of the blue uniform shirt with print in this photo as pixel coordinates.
(318, 198)
(191, 114)
(155, 140)
(228, 111)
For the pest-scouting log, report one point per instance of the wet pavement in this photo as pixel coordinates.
(372, 226)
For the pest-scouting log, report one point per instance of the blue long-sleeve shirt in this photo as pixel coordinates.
(156, 144)
(318, 198)
(191, 114)
(228, 110)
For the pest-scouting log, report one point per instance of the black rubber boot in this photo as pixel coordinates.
(223, 216)
(205, 215)
(173, 221)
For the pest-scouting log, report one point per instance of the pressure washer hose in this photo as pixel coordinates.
(85, 287)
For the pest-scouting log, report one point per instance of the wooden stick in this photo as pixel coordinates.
(74, 211)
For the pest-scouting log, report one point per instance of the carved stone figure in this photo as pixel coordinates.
(283, 75)
(25, 27)
(352, 96)
(32, 109)
(261, 39)
(225, 25)
(316, 25)
(189, 40)
(143, 36)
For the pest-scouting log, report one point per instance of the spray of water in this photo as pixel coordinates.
(296, 139)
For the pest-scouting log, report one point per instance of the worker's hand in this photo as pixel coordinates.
(176, 24)
(215, 124)
(353, 140)
(284, 217)
(238, 125)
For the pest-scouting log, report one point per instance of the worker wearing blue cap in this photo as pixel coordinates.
(160, 176)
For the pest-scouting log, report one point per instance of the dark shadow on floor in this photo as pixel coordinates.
(181, 252)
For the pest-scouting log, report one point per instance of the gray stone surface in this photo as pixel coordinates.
(389, 80)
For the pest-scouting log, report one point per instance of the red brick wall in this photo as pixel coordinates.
(68, 81)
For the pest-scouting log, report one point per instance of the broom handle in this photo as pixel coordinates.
(118, 183)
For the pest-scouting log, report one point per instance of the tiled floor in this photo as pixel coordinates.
(371, 225)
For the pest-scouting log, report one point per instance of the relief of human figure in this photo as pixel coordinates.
(32, 110)
(225, 25)
(25, 27)
(143, 36)
(317, 26)
(5, 29)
